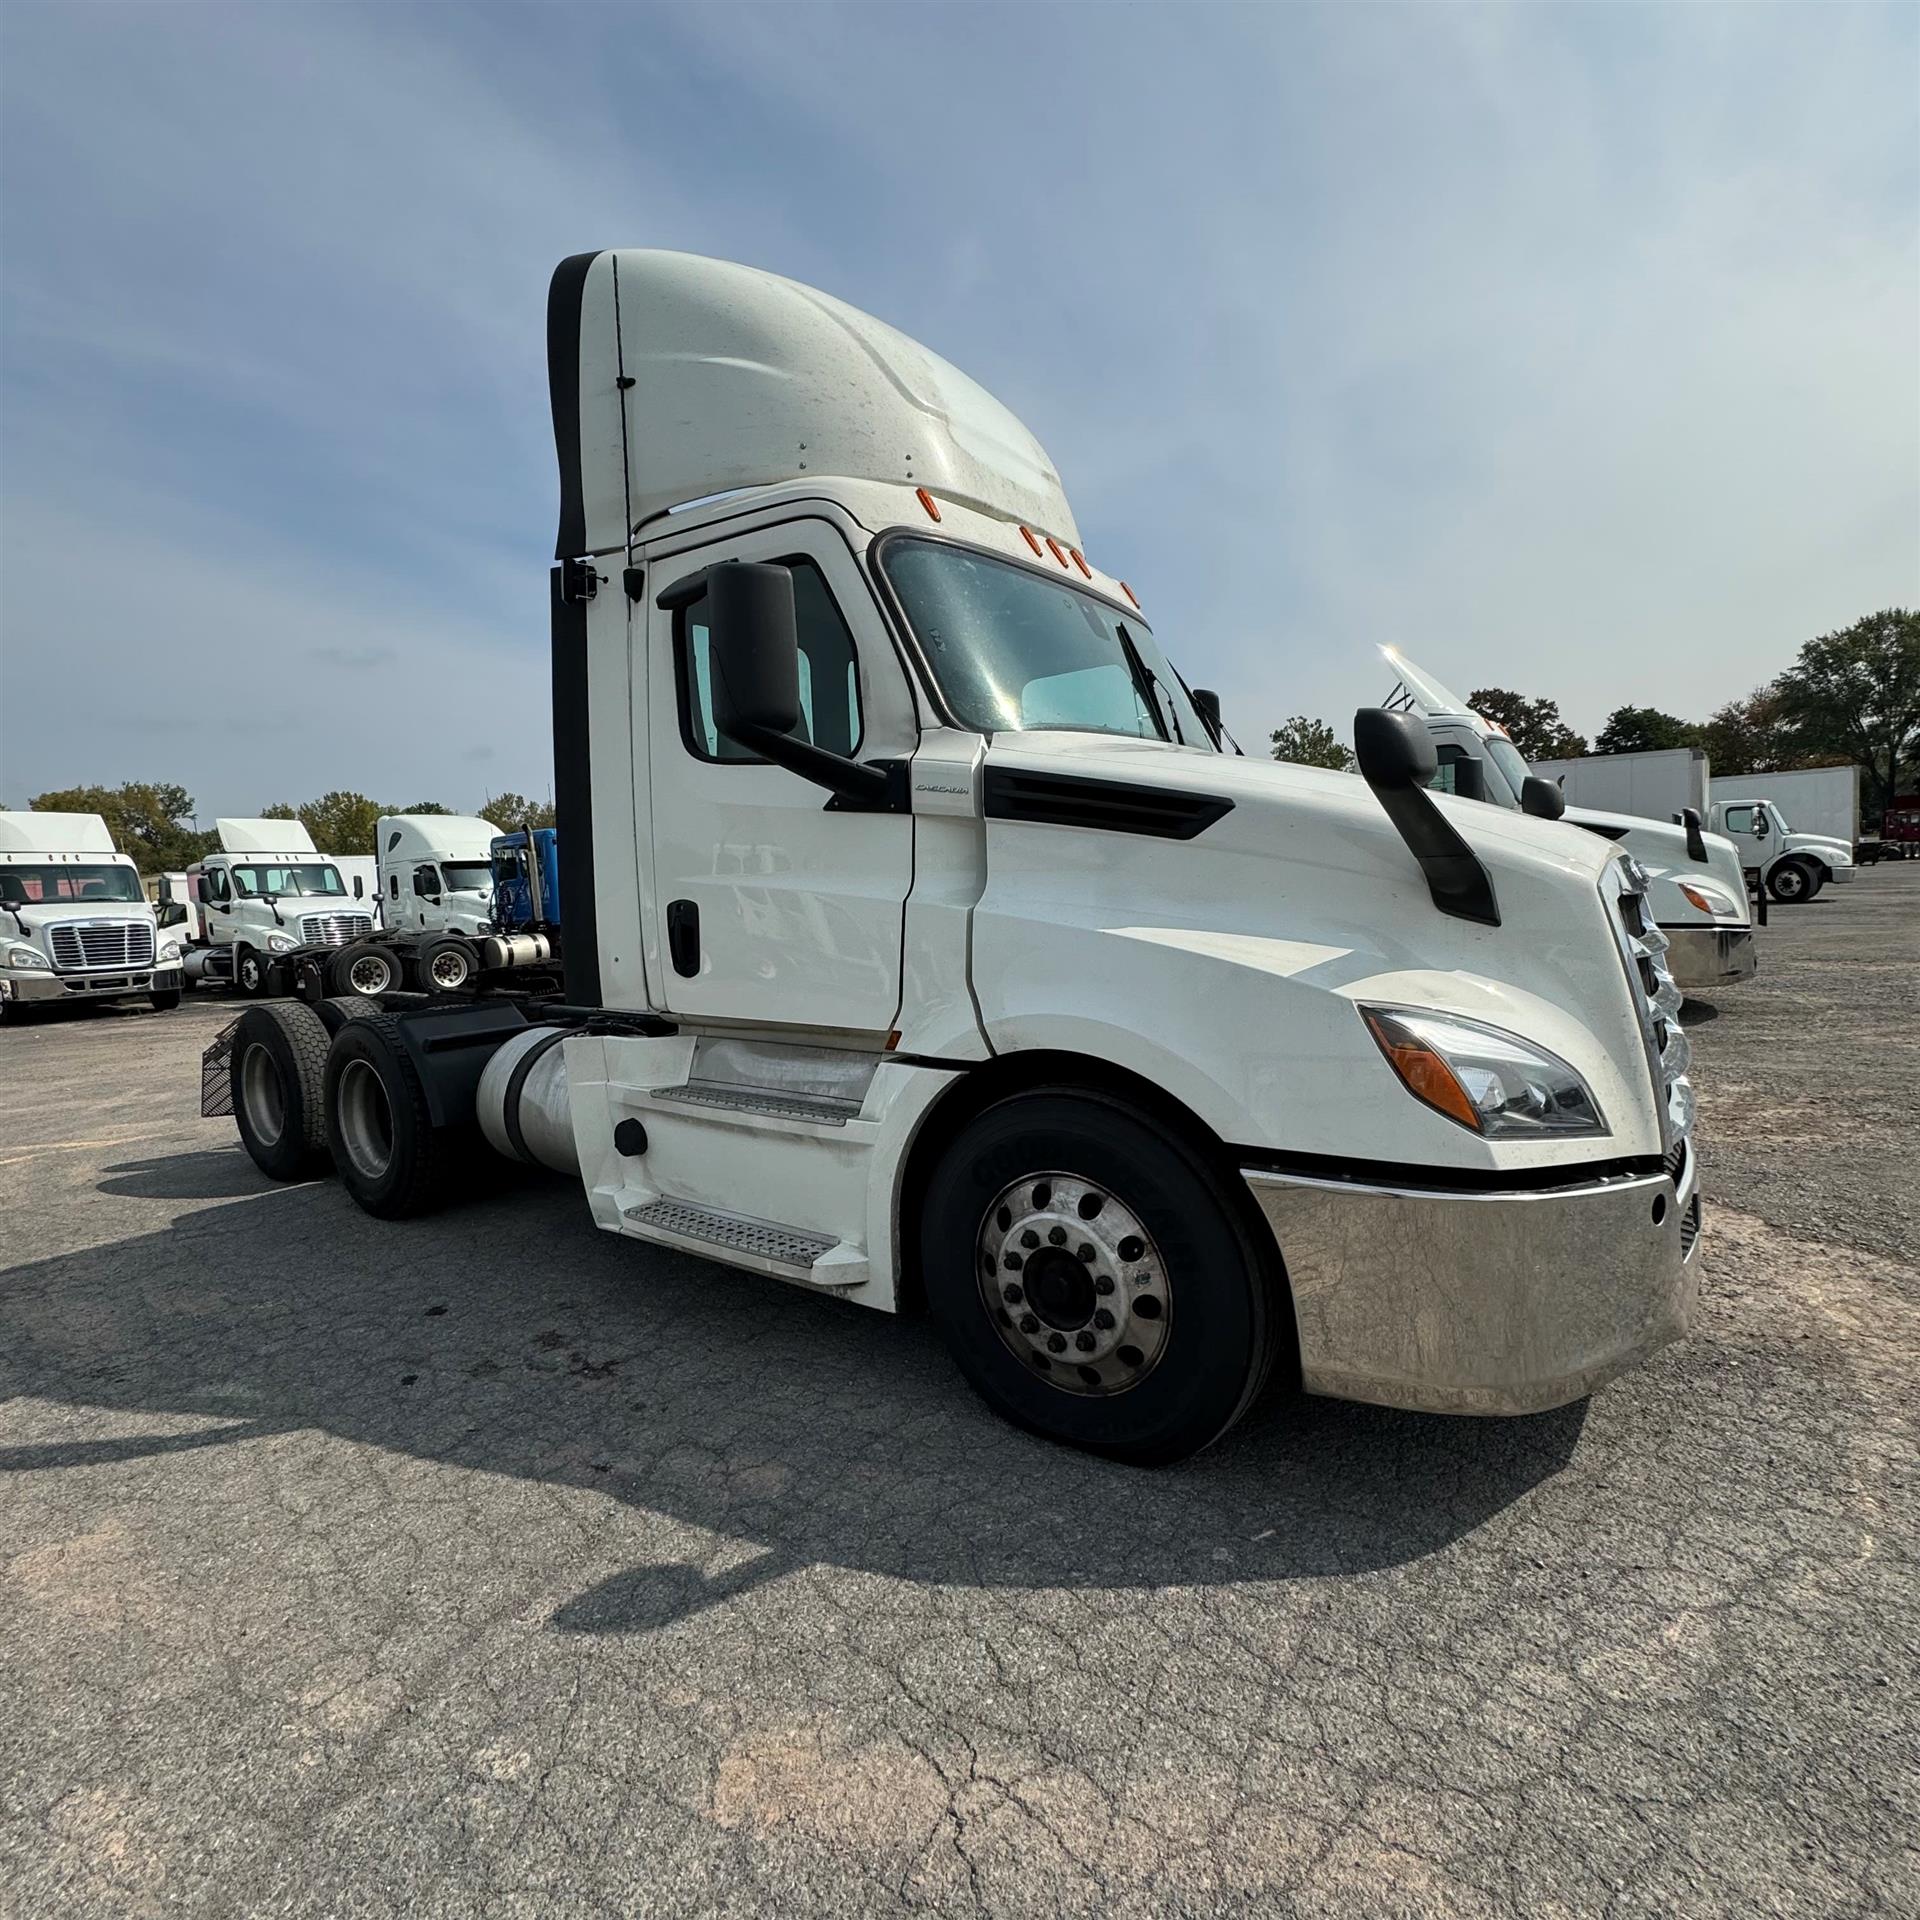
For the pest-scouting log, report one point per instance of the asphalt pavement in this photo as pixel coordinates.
(490, 1565)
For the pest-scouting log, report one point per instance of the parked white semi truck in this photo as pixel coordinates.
(75, 922)
(922, 945)
(436, 872)
(1694, 882)
(266, 896)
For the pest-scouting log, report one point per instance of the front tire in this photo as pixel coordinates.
(250, 974)
(1128, 1310)
(1792, 882)
(166, 1000)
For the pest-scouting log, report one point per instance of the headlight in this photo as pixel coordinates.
(281, 943)
(1710, 901)
(169, 952)
(28, 960)
(1490, 1082)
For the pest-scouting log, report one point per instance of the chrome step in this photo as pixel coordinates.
(787, 1246)
(823, 1109)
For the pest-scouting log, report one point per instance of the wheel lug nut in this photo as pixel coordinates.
(1057, 1236)
(1084, 1254)
(1011, 1294)
(1029, 1239)
(1029, 1323)
(1102, 1318)
(1013, 1263)
(1085, 1341)
(1056, 1343)
(1103, 1284)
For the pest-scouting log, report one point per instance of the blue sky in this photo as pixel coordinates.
(1571, 349)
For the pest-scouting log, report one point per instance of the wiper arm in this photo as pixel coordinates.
(1144, 683)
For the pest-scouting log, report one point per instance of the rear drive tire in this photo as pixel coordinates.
(334, 1014)
(447, 965)
(1792, 882)
(277, 1075)
(389, 1154)
(363, 969)
(1128, 1310)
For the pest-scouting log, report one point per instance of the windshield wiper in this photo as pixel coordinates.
(1146, 686)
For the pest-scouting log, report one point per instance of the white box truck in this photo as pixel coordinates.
(924, 945)
(1694, 880)
(1791, 864)
(75, 922)
(1821, 802)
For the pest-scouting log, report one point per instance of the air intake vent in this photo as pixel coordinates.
(1117, 806)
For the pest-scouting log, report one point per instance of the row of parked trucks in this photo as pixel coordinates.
(448, 903)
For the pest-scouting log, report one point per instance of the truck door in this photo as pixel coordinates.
(769, 906)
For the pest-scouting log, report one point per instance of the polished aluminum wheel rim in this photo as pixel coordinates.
(260, 1089)
(369, 974)
(366, 1120)
(1073, 1283)
(448, 970)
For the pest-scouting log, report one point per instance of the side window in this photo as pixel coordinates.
(213, 883)
(1739, 819)
(426, 881)
(393, 886)
(829, 673)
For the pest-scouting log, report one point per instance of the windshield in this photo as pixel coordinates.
(270, 882)
(1509, 769)
(1014, 651)
(29, 886)
(467, 876)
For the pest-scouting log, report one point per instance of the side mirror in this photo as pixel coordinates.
(1689, 817)
(1540, 797)
(1469, 780)
(1394, 749)
(753, 642)
(172, 914)
(358, 889)
(1206, 703)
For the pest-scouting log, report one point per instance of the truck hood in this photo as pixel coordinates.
(1661, 848)
(1836, 853)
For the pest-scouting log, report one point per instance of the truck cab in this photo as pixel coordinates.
(526, 881)
(1696, 887)
(436, 872)
(75, 922)
(1791, 866)
(264, 895)
(925, 948)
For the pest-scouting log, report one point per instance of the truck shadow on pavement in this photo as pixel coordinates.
(509, 1337)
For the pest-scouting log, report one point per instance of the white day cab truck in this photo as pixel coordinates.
(1663, 783)
(75, 923)
(924, 946)
(1695, 885)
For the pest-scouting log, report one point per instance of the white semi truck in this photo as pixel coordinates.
(1662, 784)
(436, 872)
(75, 922)
(1695, 884)
(924, 946)
(267, 896)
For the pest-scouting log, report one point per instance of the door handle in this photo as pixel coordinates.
(683, 936)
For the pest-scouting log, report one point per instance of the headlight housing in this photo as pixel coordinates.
(28, 960)
(1710, 901)
(281, 943)
(1490, 1082)
(168, 953)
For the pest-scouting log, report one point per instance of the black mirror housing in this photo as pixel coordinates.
(1394, 749)
(1542, 798)
(1206, 703)
(753, 643)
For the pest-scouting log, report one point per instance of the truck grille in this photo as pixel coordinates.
(334, 929)
(1669, 1051)
(101, 943)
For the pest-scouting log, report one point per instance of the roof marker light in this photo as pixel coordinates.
(1054, 547)
(1131, 595)
(927, 501)
(1080, 561)
(1026, 534)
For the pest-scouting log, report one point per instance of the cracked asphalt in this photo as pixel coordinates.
(490, 1565)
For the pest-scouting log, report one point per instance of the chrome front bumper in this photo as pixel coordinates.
(1711, 956)
(1496, 1303)
(40, 989)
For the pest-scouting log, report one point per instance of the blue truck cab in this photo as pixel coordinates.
(526, 899)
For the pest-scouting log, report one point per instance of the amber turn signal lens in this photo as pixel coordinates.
(926, 500)
(1422, 1071)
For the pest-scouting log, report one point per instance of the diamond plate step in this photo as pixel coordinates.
(823, 1109)
(790, 1246)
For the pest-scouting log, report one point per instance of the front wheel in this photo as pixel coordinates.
(250, 974)
(1094, 1281)
(165, 1000)
(1791, 882)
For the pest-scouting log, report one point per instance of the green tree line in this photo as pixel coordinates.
(1853, 695)
(154, 823)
